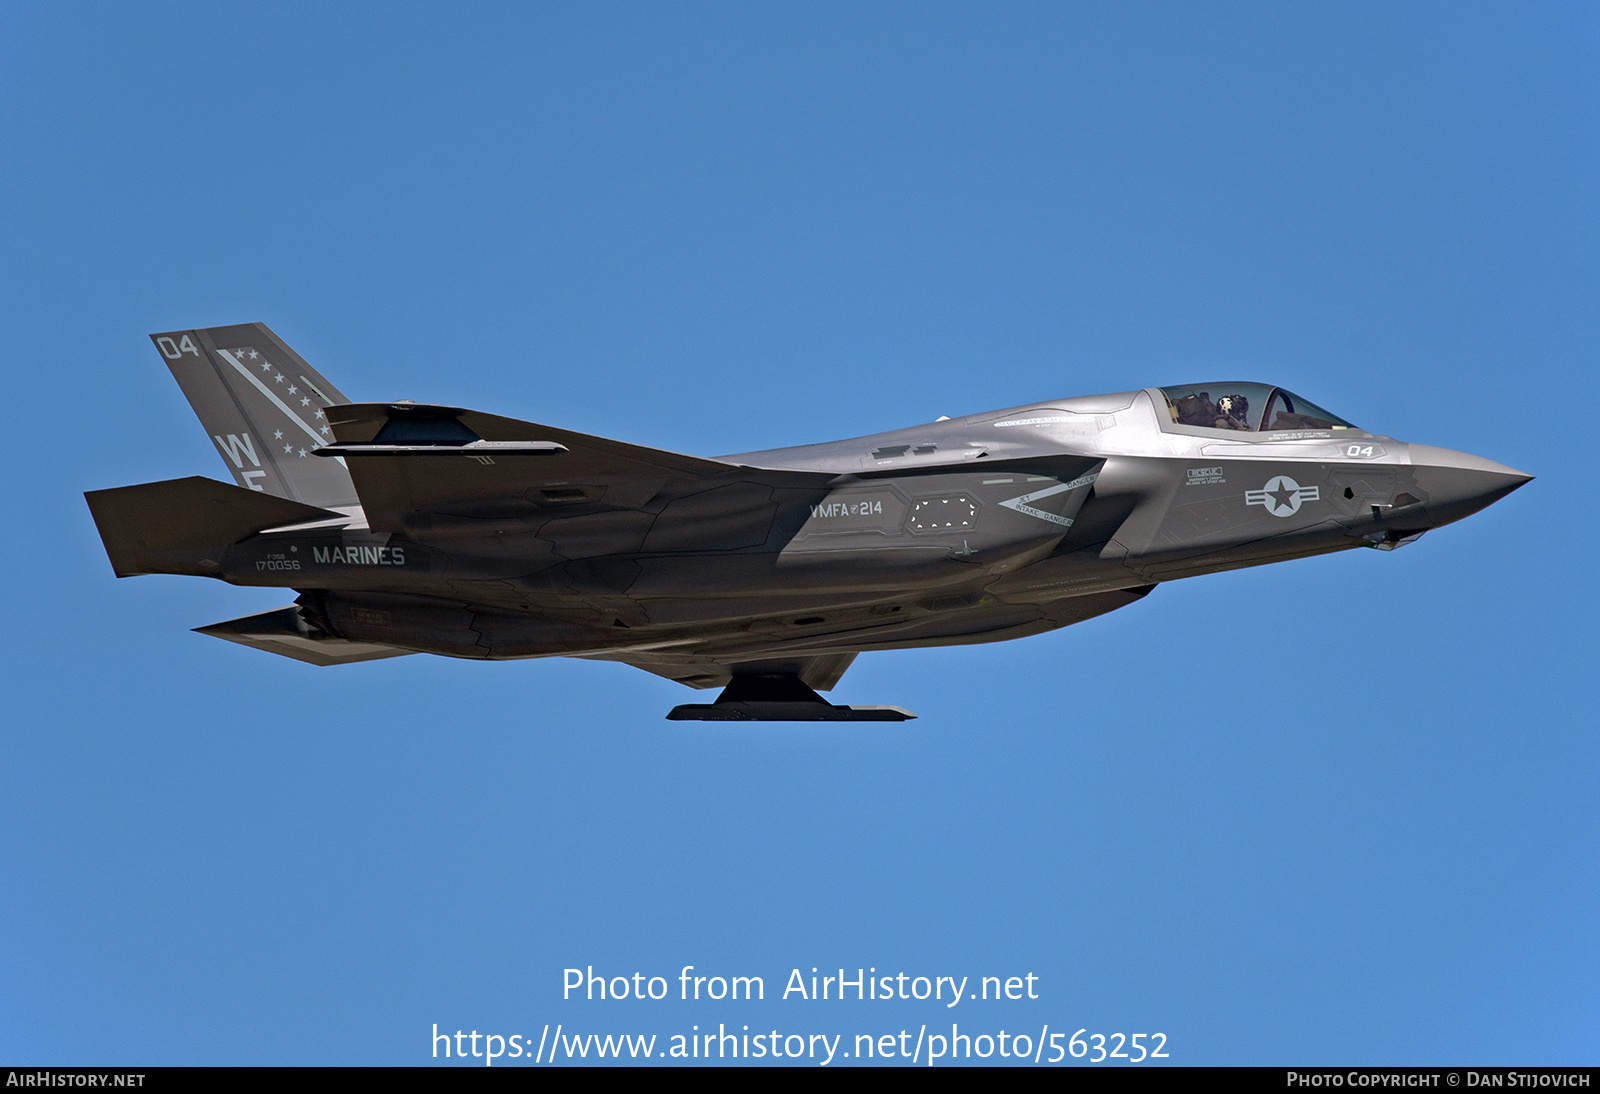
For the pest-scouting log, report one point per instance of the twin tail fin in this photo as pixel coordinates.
(265, 409)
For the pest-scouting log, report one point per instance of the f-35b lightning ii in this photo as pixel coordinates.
(413, 528)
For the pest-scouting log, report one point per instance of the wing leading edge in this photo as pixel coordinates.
(408, 458)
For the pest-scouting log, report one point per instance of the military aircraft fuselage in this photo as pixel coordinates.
(967, 529)
(407, 527)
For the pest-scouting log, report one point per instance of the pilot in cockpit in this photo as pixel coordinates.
(1233, 412)
(1271, 409)
(1228, 412)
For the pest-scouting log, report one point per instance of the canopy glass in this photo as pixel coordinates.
(1251, 408)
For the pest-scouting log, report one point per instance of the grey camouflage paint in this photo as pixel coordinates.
(472, 535)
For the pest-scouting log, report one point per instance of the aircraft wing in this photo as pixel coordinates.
(408, 458)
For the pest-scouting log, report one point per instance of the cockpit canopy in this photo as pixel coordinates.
(1252, 408)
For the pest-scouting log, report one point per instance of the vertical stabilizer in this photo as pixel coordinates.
(263, 407)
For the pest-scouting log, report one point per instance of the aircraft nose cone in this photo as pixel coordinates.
(1458, 484)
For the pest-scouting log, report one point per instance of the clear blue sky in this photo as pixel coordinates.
(1331, 811)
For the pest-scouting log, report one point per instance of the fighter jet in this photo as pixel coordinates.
(417, 528)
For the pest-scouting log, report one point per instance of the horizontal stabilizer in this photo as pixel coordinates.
(284, 631)
(472, 462)
(180, 526)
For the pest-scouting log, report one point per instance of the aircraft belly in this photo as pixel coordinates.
(982, 619)
(421, 623)
(457, 628)
(845, 634)
(1322, 538)
(720, 576)
(1063, 576)
(729, 629)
